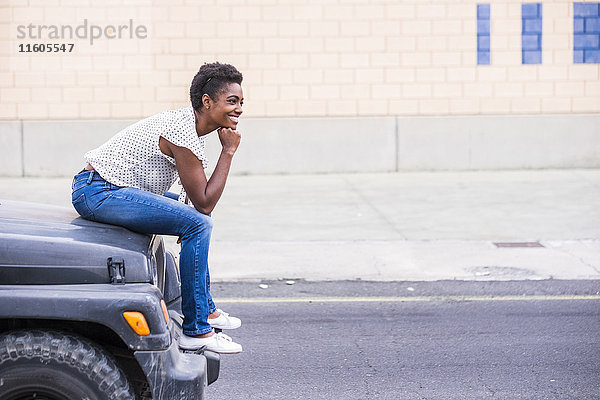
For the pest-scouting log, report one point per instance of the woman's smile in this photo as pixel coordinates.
(228, 106)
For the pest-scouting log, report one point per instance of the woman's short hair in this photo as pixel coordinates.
(211, 80)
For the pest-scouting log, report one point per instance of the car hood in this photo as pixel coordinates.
(44, 244)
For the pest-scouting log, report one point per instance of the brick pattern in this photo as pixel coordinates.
(483, 34)
(299, 58)
(531, 33)
(586, 33)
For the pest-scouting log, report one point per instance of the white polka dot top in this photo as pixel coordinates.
(132, 157)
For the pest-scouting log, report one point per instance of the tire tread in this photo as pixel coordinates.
(74, 351)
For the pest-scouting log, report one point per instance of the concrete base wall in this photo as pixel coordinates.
(499, 142)
(322, 145)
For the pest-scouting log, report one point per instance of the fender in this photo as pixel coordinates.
(102, 303)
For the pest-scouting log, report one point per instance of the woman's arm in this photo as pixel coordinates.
(203, 193)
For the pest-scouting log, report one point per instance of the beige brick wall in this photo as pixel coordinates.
(299, 58)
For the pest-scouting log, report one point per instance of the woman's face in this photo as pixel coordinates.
(227, 108)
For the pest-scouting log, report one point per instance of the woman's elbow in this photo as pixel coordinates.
(202, 205)
(204, 210)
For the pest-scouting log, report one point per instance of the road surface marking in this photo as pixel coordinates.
(405, 299)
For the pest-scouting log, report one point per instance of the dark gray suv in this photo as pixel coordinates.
(90, 311)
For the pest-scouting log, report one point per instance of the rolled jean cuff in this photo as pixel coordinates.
(197, 332)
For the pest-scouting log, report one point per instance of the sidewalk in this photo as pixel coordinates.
(397, 226)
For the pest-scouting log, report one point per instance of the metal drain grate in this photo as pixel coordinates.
(518, 244)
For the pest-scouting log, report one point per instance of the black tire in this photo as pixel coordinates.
(48, 365)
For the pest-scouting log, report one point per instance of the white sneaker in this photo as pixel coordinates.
(219, 343)
(224, 321)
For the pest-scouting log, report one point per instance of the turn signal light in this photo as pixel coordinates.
(137, 322)
(165, 312)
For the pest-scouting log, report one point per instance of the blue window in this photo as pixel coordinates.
(586, 33)
(531, 33)
(483, 34)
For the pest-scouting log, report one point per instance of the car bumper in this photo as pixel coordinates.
(173, 374)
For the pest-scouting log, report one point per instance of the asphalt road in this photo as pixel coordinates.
(412, 340)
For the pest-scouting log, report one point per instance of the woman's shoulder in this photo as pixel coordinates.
(179, 128)
(180, 120)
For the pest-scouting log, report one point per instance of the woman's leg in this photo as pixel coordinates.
(171, 195)
(211, 305)
(146, 212)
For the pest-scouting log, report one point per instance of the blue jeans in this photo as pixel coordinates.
(98, 200)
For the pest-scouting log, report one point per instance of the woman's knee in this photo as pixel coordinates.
(200, 223)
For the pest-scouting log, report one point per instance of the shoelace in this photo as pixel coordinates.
(222, 312)
(222, 336)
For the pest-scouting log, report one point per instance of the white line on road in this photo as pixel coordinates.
(405, 299)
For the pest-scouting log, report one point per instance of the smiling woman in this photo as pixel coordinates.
(126, 180)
